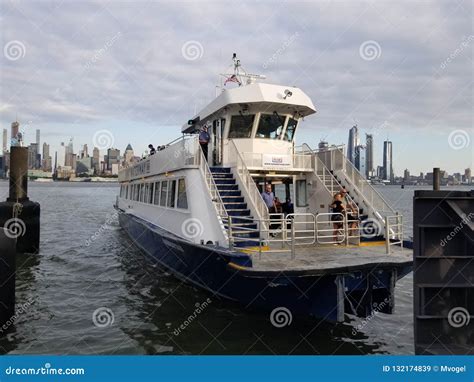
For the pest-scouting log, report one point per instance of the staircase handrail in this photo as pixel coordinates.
(362, 180)
(250, 187)
(211, 185)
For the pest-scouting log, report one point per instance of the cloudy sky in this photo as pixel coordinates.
(137, 70)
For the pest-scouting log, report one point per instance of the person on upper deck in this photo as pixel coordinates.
(269, 198)
(204, 139)
(152, 149)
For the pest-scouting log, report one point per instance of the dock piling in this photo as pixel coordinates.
(7, 276)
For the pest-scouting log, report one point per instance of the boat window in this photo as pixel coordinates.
(164, 189)
(301, 198)
(126, 192)
(157, 193)
(241, 126)
(270, 126)
(135, 192)
(171, 193)
(150, 193)
(182, 198)
(290, 129)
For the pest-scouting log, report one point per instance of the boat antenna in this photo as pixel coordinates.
(239, 75)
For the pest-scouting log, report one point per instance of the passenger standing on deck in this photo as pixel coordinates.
(204, 140)
(152, 149)
(337, 208)
(269, 199)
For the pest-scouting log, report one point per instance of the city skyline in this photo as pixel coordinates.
(411, 86)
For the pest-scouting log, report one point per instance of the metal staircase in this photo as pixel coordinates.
(238, 216)
(335, 171)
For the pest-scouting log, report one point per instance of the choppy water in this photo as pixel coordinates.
(87, 265)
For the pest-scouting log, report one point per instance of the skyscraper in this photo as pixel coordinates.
(96, 160)
(32, 156)
(46, 164)
(369, 156)
(128, 156)
(15, 134)
(5, 141)
(85, 151)
(467, 175)
(61, 155)
(387, 161)
(360, 159)
(352, 143)
(38, 137)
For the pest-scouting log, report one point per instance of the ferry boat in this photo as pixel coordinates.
(206, 222)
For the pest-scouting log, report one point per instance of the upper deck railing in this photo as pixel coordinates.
(181, 153)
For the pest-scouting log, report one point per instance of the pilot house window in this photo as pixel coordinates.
(290, 129)
(241, 126)
(270, 126)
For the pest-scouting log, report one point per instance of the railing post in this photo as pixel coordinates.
(387, 235)
(229, 227)
(293, 239)
(259, 240)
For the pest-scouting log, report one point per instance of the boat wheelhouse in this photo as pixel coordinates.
(206, 221)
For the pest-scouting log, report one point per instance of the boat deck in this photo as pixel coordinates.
(330, 258)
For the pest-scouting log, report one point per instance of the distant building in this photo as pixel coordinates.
(69, 155)
(38, 137)
(84, 166)
(128, 156)
(406, 175)
(113, 157)
(96, 160)
(47, 162)
(387, 162)
(33, 156)
(61, 155)
(369, 156)
(352, 143)
(15, 134)
(380, 172)
(360, 159)
(467, 176)
(5, 142)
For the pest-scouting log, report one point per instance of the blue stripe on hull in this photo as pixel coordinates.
(303, 293)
